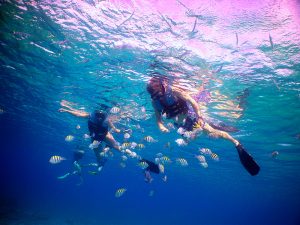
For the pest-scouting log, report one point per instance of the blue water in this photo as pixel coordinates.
(52, 51)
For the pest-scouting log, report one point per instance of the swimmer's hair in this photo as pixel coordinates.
(155, 84)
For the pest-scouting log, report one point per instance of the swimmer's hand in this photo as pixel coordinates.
(163, 128)
(117, 130)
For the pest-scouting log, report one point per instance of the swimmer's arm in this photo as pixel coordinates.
(159, 122)
(189, 99)
(75, 112)
(111, 125)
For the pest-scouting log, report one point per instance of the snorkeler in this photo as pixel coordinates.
(175, 103)
(77, 168)
(98, 125)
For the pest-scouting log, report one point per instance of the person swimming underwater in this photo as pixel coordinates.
(98, 125)
(178, 105)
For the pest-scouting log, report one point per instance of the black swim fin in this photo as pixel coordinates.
(152, 167)
(248, 162)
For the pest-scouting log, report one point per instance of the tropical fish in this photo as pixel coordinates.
(141, 146)
(115, 110)
(180, 130)
(78, 127)
(95, 144)
(149, 139)
(126, 145)
(124, 157)
(133, 145)
(214, 156)
(201, 158)
(69, 138)
(56, 159)
(188, 134)
(120, 192)
(143, 165)
(165, 159)
(161, 168)
(181, 162)
(126, 136)
(205, 151)
(180, 142)
(86, 136)
(204, 164)
(237, 39)
(143, 109)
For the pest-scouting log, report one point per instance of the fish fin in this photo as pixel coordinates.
(247, 161)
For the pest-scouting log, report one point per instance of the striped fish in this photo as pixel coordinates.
(205, 151)
(182, 162)
(120, 192)
(69, 138)
(149, 139)
(140, 146)
(214, 156)
(126, 145)
(165, 159)
(56, 159)
(143, 165)
(201, 158)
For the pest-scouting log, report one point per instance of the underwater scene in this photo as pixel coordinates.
(142, 112)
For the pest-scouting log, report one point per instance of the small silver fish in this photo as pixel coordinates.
(180, 142)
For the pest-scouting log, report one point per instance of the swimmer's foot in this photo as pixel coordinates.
(247, 161)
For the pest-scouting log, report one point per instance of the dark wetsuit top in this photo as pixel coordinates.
(170, 104)
(98, 130)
